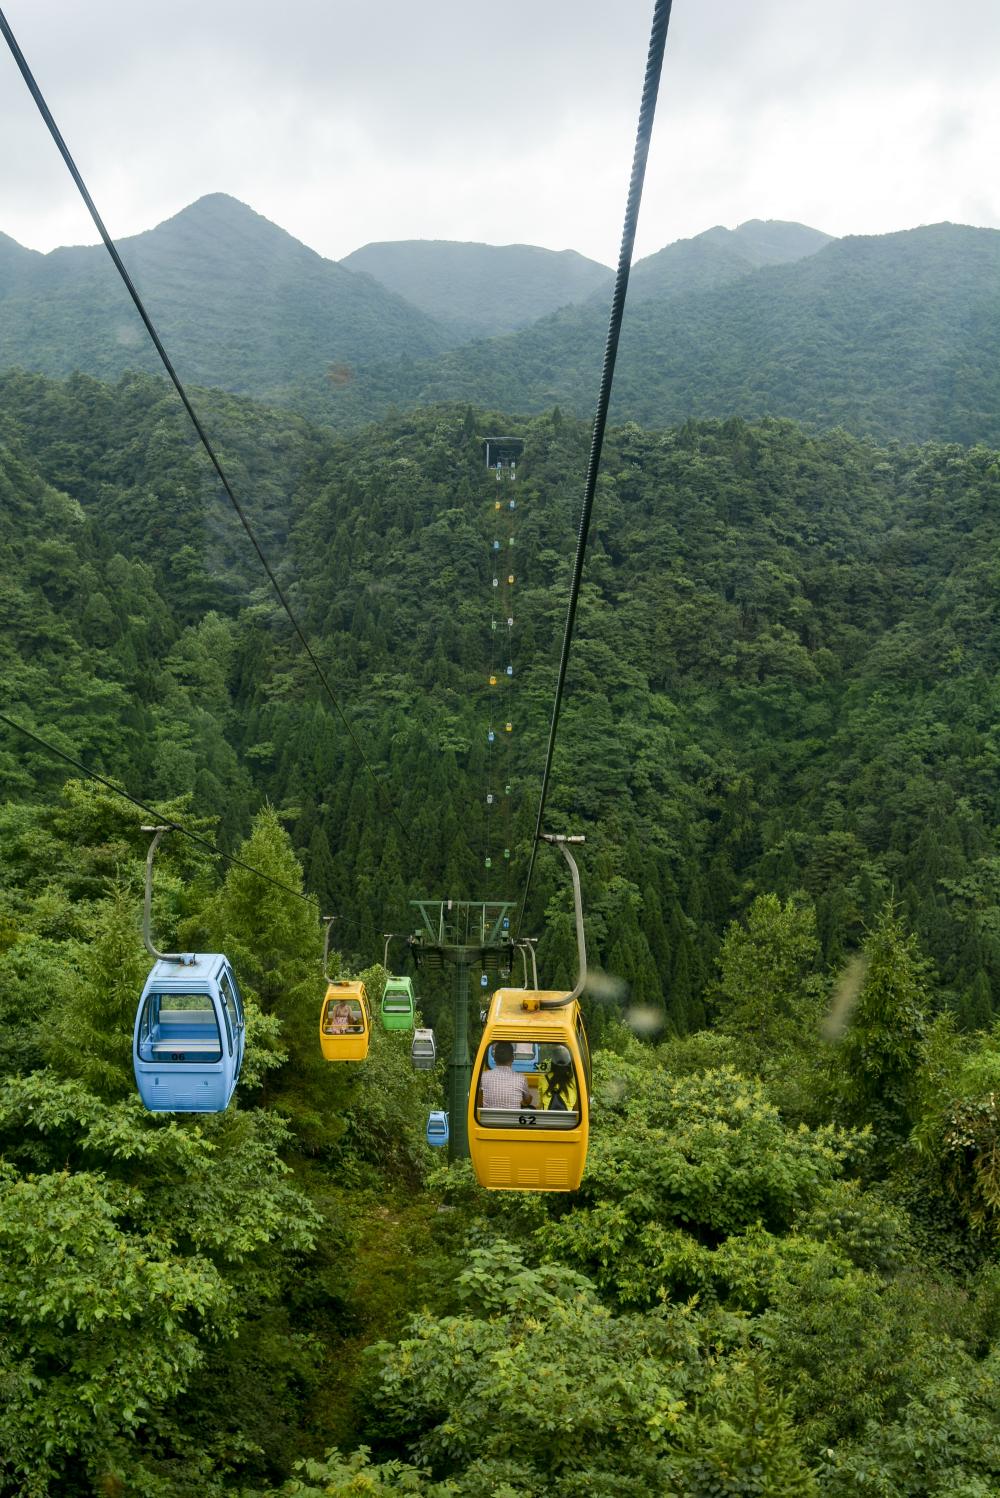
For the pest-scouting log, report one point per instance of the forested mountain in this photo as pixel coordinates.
(751, 589)
(238, 302)
(721, 255)
(891, 336)
(16, 264)
(243, 305)
(779, 1276)
(481, 289)
(772, 241)
(895, 336)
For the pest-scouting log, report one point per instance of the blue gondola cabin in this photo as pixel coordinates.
(189, 1036)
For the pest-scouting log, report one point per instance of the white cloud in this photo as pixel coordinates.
(346, 123)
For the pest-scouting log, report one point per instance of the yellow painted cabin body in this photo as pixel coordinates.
(345, 1022)
(529, 1104)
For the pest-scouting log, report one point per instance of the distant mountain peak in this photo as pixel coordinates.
(215, 203)
(480, 289)
(718, 255)
(778, 241)
(219, 209)
(220, 199)
(775, 223)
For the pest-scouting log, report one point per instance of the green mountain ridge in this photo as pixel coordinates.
(773, 241)
(892, 336)
(243, 305)
(16, 263)
(239, 303)
(720, 255)
(480, 289)
(484, 290)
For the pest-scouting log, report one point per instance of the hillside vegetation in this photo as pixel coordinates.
(891, 337)
(780, 1274)
(896, 337)
(784, 677)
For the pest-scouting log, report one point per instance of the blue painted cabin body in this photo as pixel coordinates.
(189, 1036)
(437, 1128)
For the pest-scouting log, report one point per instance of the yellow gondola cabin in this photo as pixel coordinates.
(345, 1021)
(529, 1104)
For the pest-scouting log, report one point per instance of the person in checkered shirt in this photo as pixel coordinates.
(502, 1087)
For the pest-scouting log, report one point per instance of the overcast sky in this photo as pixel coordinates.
(346, 122)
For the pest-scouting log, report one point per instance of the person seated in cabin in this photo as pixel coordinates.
(558, 1088)
(342, 1017)
(502, 1086)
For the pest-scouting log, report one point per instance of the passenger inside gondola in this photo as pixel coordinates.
(558, 1085)
(547, 1095)
(500, 1085)
(343, 1017)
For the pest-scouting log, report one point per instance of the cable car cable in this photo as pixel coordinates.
(508, 512)
(493, 578)
(153, 812)
(112, 250)
(647, 110)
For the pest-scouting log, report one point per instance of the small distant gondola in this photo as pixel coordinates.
(423, 1051)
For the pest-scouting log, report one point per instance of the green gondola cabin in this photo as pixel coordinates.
(398, 1006)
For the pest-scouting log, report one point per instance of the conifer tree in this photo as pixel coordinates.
(882, 1046)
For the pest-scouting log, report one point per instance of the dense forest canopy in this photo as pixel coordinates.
(779, 1276)
(784, 675)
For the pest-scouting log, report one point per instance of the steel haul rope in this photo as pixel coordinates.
(492, 683)
(647, 110)
(508, 509)
(152, 811)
